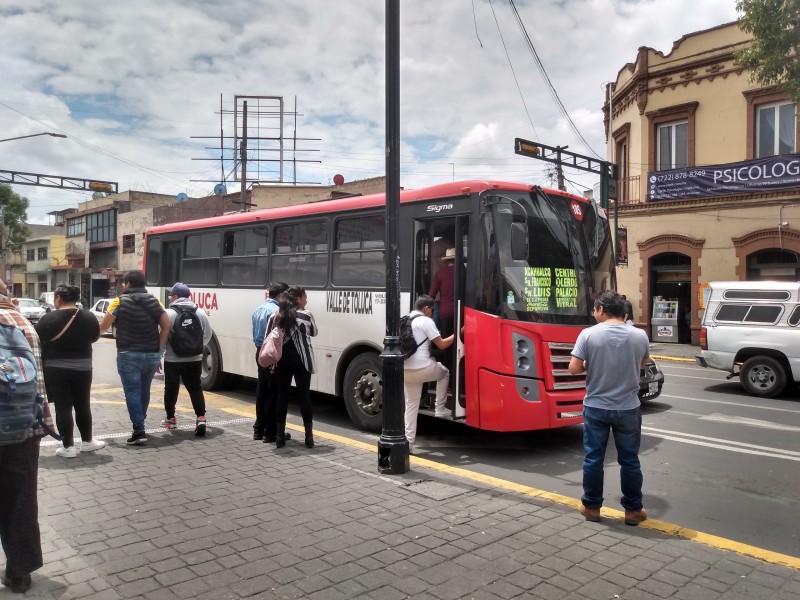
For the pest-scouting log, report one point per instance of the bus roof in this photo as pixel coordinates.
(441, 191)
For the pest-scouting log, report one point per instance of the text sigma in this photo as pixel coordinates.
(439, 207)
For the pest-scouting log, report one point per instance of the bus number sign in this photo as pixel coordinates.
(576, 209)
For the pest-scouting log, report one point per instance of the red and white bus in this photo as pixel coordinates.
(529, 263)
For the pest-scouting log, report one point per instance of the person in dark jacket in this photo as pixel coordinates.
(142, 332)
(67, 335)
(297, 360)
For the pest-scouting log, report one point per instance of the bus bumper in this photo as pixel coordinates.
(510, 403)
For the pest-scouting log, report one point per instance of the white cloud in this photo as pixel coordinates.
(131, 83)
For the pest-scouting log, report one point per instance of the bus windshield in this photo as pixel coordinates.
(552, 255)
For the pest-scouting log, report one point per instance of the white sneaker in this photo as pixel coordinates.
(70, 452)
(92, 445)
(443, 414)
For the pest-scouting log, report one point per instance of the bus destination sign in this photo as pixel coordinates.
(542, 283)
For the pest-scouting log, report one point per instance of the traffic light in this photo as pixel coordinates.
(101, 186)
(528, 148)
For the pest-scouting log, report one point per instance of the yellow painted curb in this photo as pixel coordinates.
(673, 358)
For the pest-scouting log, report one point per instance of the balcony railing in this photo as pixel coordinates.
(629, 190)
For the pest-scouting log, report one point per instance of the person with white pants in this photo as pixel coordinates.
(421, 367)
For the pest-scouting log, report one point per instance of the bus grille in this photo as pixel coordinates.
(559, 361)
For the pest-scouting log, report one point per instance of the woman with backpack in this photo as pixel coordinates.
(67, 335)
(297, 360)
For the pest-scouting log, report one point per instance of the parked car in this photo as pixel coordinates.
(31, 309)
(651, 380)
(99, 310)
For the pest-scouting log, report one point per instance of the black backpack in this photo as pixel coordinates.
(186, 337)
(408, 344)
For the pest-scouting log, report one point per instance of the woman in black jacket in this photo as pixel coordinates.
(297, 360)
(67, 335)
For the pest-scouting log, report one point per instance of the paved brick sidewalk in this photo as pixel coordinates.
(227, 517)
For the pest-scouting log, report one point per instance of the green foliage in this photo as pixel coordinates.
(773, 55)
(15, 215)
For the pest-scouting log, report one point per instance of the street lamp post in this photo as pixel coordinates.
(22, 137)
(3, 240)
(392, 445)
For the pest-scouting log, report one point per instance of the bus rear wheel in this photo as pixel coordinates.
(363, 392)
(211, 375)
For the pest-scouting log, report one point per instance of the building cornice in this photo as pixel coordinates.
(670, 239)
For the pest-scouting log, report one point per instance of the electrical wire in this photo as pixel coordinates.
(516, 81)
(549, 84)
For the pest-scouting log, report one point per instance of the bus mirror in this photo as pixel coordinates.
(519, 241)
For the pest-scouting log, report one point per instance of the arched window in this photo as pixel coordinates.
(773, 264)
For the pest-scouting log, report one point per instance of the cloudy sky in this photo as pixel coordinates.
(136, 85)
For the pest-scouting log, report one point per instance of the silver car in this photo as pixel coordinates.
(99, 310)
(31, 309)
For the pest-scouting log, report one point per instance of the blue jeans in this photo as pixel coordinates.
(627, 428)
(136, 371)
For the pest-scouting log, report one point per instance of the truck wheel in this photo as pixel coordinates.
(763, 376)
(363, 392)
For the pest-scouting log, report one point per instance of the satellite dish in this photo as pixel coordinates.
(220, 189)
(181, 197)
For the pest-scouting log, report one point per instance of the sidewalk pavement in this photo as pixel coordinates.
(226, 517)
(676, 352)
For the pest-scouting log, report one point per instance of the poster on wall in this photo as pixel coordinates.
(622, 247)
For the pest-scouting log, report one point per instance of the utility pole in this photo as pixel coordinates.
(559, 169)
(3, 247)
(243, 154)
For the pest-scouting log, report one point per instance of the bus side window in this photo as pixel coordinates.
(358, 258)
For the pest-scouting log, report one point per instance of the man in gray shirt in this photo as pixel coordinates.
(611, 353)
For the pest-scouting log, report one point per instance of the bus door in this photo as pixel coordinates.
(433, 239)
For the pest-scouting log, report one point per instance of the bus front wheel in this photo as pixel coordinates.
(363, 392)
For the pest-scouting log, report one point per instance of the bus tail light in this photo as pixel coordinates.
(703, 338)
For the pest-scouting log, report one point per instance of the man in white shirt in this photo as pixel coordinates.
(421, 367)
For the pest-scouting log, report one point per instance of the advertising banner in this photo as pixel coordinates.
(757, 175)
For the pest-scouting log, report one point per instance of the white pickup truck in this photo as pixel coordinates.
(752, 329)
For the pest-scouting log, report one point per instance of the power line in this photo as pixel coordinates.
(549, 84)
(513, 73)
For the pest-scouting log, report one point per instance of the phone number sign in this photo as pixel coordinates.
(771, 173)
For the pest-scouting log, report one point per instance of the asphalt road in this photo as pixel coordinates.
(715, 460)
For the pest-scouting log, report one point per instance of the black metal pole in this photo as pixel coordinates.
(392, 445)
(243, 195)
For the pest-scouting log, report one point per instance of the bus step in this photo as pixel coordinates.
(429, 412)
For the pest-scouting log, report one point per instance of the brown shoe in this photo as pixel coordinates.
(590, 514)
(634, 517)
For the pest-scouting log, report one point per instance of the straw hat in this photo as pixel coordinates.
(450, 254)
